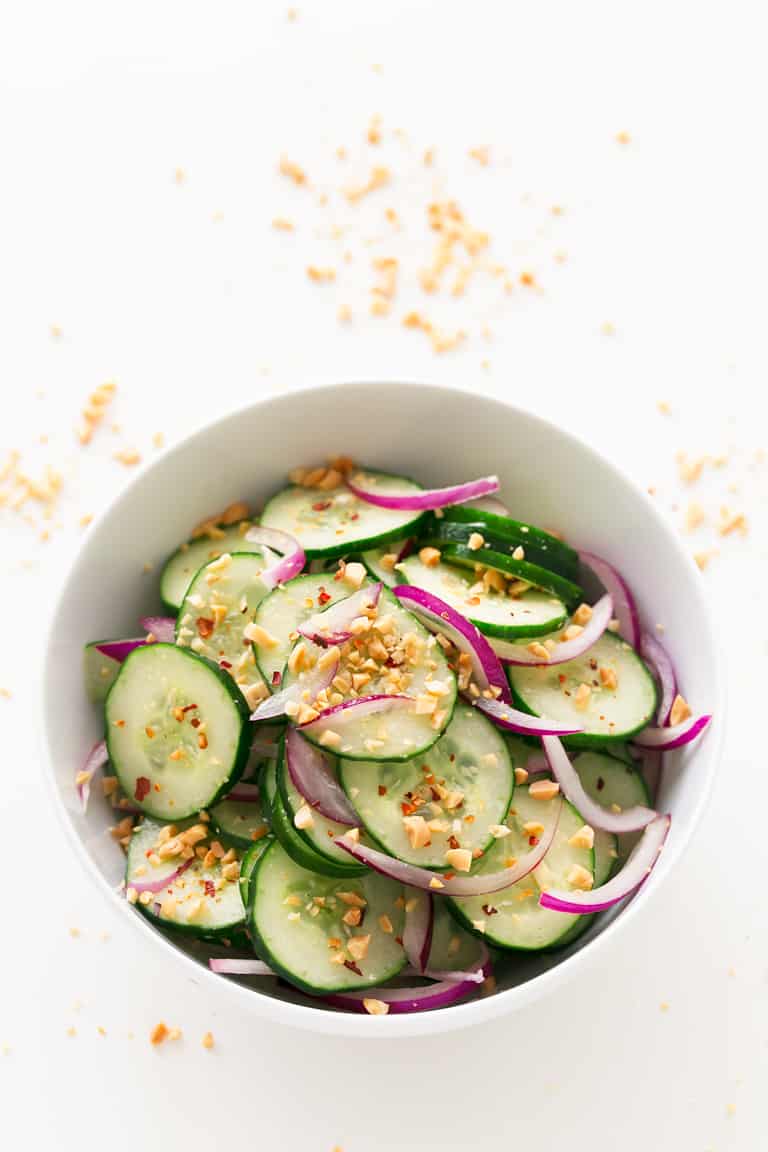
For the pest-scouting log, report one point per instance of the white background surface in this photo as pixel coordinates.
(188, 298)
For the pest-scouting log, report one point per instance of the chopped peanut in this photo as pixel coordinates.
(609, 679)
(354, 574)
(581, 697)
(304, 818)
(543, 789)
(680, 711)
(582, 615)
(584, 838)
(572, 631)
(521, 775)
(476, 541)
(430, 557)
(357, 946)
(459, 858)
(579, 877)
(260, 636)
(417, 831)
(375, 1007)
(538, 650)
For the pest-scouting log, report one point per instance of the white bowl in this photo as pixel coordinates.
(438, 436)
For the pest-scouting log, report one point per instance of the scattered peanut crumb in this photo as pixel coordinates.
(664, 1006)
(694, 516)
(207, 1040)
(321, 275)
(129, 457)
(378, 178)
(482, 155)
(292, 171)
(280, 224)
(623, 138)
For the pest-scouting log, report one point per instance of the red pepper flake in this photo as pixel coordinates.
(448, 875)
(321, 505)
(600, 783)
(156, 787)
(467, 819)
(399, 940)
(210, 887)
(225, 664)
(195, 722)
(562, 678)
(593, 664)
(453, 842)
(452, 757)
(408, 809)
(143, 786)
(204, 627)
(276, 679)
(533, 841)
(355, 516)
(489, 910)
(352, 967)
(382, 790)
(189, 708)
(322, 596)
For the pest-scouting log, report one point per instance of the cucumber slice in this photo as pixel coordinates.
(566, 590)
(100, 672)
(248, 863)
(187, 560)
(452, 948)
(214, 613)
(320, 834)
(608, 715)
(401, 733)
(268, 787)
(296, 917)
(155, 682)
(288, 606)
(611, 781)
(239, 822)
(513, 918)
(200, 901)
(470, 761)
(504, 534)
(535, 613)
(377, 569)
(302, 850)
(335, 522)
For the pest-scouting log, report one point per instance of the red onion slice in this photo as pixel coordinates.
(453, 976)
(162, 882)
(630, 820)
(314, 682)
(521, 722)
(292, 560)
(441, 617)
(518, 655)
(310, 772)
(416, 999)
(351, 711)
(333, 625)
(419, 921)
(428, 499)
(119, 649)
(623, 601)
(244, 793)
(238, 967)
(94, 761)
(656, 655)
(456, 885)
(635, 872)
(665, 739)
(163, 628)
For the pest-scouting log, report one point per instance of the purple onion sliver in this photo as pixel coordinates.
(441, 617)
(96, 759)
(656, 655)
(313, 779)
(357, 709)
(417, 934)
(635, 872)
(237, 967)
(293, 558)
(244, 793)
(478, 885)
(521, 722)
(118, 650)
(428, 499)
(665, 739)
(163, 628)
(333, 625)
(431, 996)
(594, 814)
(602, 612)
(158, 885)
(623, 601)
(314, 682)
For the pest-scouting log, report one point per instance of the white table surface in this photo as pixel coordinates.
(184, 294)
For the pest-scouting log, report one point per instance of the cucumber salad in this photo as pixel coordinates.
(382, 737)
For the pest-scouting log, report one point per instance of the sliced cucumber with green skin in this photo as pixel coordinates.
(566, 590)
(158, 758)
(513, 917)
(462, 786)
(535, 613)
(239, 822)
(268, 787)
(452, 949)
(200, 901)
(610, 781)
(288, 606)
(296, 918)
(336, 522)
(377, 570)
(321, 832)
(609, 714)
(504, 535)
(249, 861)
(216, 609)
(300, 848)
(400, 733)
(187, 560)
(100, 672)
